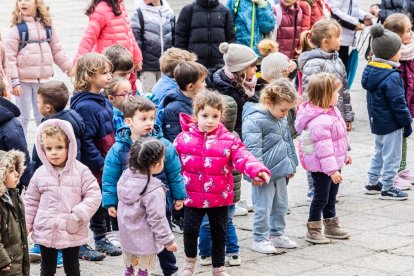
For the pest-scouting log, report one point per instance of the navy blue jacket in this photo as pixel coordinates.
(387, 107)
(12, 136)
(78, 127)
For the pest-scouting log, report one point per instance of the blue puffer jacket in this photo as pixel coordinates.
(117, 161)
(173, 104)
(387, 107)
(162, 87)
(269, 140)
(264, 21)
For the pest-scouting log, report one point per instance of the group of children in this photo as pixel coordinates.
(123, 162)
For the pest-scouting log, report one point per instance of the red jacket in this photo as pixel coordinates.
(317, 10)
(306, 17)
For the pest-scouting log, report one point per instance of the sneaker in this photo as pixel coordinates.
(87, 253)
(244, 204)
(219, 271)
(283, 242)
(239, 211)
(394, 194)
(112, 239)
(59, 262)
(265, 247)
(177, 226)
(129, 271)
(34, 254)
(105, 246)
(205, 260)
(190, 266)
(406, 175)
(233, 260)
(402, 184)
(373, 189)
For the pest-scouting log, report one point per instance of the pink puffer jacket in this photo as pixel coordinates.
(105, 29)
(208, 160)
(34, 63)
(59, 207)
(323, 143)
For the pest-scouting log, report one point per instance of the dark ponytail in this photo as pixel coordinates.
(145, 153)
(114, 4)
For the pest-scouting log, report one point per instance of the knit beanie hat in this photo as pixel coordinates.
(237, 57)
(274, 65)
(385, 44)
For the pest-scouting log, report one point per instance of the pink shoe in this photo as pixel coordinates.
(406, 175)
(402, 184)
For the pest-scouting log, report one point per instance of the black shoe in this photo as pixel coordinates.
(373, 189)
(394, 194)
(105, 246)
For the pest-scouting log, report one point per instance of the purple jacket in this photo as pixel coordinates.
(143, 225)
(323, 145)
(407, 73)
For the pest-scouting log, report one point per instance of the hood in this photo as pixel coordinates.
(176, 96)
(221, 81)
(315, 53)
(7, 159)
(374, 75)
(208, 3)
(7, 110)
(306, 113)
(72, 152)
(188, 124)
(80, 96)
(252, 108)
(131, 185)
(74, 118)
(123, 135)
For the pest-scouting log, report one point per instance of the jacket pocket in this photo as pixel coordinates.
(73, 226)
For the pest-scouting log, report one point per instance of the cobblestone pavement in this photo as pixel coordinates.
(382, 241)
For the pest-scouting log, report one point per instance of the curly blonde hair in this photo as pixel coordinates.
(54, 132)
(208, 97)
(87, 67)
(42, 11)
(281, 90)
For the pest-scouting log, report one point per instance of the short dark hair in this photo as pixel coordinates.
(188, 72)
(120, 58)
(132, 104)
(54, 93)
(2, 88)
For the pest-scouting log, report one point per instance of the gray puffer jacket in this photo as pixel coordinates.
(156, 35)
(269, 140)
(316, 61)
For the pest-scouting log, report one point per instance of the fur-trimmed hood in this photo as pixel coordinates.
(7, 159)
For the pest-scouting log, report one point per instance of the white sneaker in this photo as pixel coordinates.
(233, 260)
(205, 261)
(113, 239)
(283, 242)
(244, 204)
(239, 211)
(265, 247)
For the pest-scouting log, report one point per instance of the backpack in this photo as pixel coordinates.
(24, 35)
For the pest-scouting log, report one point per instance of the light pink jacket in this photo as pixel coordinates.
(4, 68)
(323, 143)
(59, 207)
(34, 63)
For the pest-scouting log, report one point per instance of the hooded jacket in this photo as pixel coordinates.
(323, 145)
(269, 140)
(316, 61)
(13, 236)
(387, 107)
(59, 206)
(208, 159)
(163, 87)
(142, 218)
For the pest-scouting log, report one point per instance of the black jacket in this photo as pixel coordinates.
(201, 27)
(395, 6)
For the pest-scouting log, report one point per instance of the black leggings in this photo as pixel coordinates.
(49, 259)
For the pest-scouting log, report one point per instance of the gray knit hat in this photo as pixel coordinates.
(385, 44)
(237, 57)
(274, 65)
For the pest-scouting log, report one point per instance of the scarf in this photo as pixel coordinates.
(248, 86)
(389, 62)
(407, 50)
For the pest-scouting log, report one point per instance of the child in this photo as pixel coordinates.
(267, 46)
(62, 192)
(118, 91)
(168, 61)
(201, 27)
(190, 77)
(153, 25)
(4, 72)
(92, 75)
(144, 228)
(266, 135)
(32, 47)
(388, 113)
(14, 260)
(400, 24)
(323, 149)
(208, 153)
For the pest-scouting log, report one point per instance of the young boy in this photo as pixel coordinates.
(388, 113)
(190, 77)
(14, 257)
(168, 61)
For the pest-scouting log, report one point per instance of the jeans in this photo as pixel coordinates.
(26, 102)
(49, 259)
(149, 78)
(324, 199)
(271, 204)
(232, 242)
(386, 159)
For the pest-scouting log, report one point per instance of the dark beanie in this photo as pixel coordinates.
(385, 44)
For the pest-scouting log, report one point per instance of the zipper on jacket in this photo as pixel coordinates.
(295, 23)
(202, 166)
(57, 214)
(161, 33)
(209, 35)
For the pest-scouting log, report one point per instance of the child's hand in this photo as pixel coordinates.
(291, 175)
(348, 126)
(336, 177)
(7, 268)
(17, 91)
(178, 205)
(172, 247)
(112, 212)
(349, 161)
(260, 179)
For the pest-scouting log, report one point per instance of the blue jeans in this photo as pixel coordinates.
(271, 204)
(232, 242)
(386, 159)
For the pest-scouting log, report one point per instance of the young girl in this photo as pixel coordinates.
(400, 24)
(323, 152)
(143, 224)
(61, 198)
(32, 47)
(208, 153)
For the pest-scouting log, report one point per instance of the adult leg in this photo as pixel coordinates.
(148, 79)
(344, 55)
(218, 222)
(71, 261)
(48, 263)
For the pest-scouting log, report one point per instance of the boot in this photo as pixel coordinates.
(219, 271)
(189, 266)
(314, 234)
(142, 273)
(129, 271)
(332, 229)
